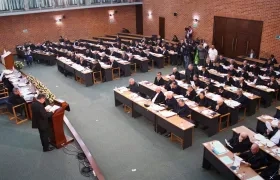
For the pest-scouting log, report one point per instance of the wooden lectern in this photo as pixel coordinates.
(58, 138)
(8, 60)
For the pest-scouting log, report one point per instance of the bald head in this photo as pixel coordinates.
(174, 69)
(220, 101)
(169, 94)
(158, 89)
(255, 148)
(172, 77)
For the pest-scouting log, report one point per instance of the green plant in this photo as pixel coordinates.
(18, 65)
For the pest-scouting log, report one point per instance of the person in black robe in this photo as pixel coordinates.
(241, 84)
(159, 97)
(175, 73)
(183, 110)
(220, 107)
(255, 69)
(239, 143)
(190, 94)
(208, 86)
(223, 93)
(159, 80)
(133, 86)
(174, 88)
(170, 102)
(254, 157)
(204, 72)
(228, 80)
(272, 83)
(40, 121)
(202, 100)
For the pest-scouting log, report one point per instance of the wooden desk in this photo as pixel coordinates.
(174, 124)
(211, 159)
(135, 35)
(251, 135)
(253, 60)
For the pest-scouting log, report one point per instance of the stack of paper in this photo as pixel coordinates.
(259, 137)
(232, 103)
(178, 96)
(219, 148)
(156, 107)
(167, 113)
(52, 108)
(226, 160)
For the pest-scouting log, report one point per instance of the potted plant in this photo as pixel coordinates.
(18, 65)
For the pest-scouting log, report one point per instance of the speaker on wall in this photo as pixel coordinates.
(175, 14)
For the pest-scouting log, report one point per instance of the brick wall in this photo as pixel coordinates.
(267, 11)
(84, 23)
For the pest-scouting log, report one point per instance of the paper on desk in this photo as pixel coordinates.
(274, 122)
(259, 137)
(268, 126)
(276, 151)
(228, 144)
(219, 148)
(237, 161)
(167, 114)
(178, 96)
(226, 160)
(256, 178)
(192, 83)
(156, 107)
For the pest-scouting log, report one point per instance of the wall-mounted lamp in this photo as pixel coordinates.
(58, 20)
(195, 20)
(150, 14)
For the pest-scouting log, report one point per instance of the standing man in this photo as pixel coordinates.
(202, 53)
(40, 121)
(212, 53)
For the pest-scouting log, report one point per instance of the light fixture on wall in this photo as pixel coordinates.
(195, 20)
(111, 15)
(58, 20)
(150, 14)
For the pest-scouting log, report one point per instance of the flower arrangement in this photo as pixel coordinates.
(18, 65)
(41, 88)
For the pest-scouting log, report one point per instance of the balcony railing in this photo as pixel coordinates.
(17, 7)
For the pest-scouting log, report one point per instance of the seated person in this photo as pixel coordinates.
(231, 62)
(243, 73)
(239, 143)
(272, 83)
(95, 55)
(267, 64)
(159, 97)
(104, 58)
(220, 107)
(167, 85)
(241, 84)
(124, 56)
(209, 64)
(113, 63)
(201, 100)
(164, 52)
(273, 60)
(222, 60)
(204, 72)
(175, 73)
(123, 47)
(170, 101)
(158, 80)
(174, 88)
(82, 62)
(257, 80)
(255, 69)
(253, 157)
(130, 58)
(208, 87)
(182, 109)
(240, 98)
(15, 97)
(245, 66)
(196, 81)
(270, 71)
(88, 53)
(219, 68)
(223, 93)
(133, 86)
(228, 80)
(274, 135)
(190, 94)
(232, 70)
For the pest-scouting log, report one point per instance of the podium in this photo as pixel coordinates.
(8, 60)
(58, 138)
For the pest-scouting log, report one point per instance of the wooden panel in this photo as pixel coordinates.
(241, 44)
(162, 27)
(139, 19)
(219, 33)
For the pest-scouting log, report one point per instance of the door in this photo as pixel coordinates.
(162, 27)
(241, 44)
(219, 33)
(139, 19)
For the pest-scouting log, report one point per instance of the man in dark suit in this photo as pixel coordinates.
(208, 87)
(241, 84)
(82, 62)
(202, 101)
(239, 143)
(272, 83)
(255, 69)
(174, 88)
(175, 73)
(273, 60)
(267, 64)
(133, 86)
(221, 107)
(271, 172)
(95, 55)
(104, 58)
(232, 71)
(168, 84)
(222, 92)
(190, 94)
(231, 62)
(15, 97)
(274, 135)
(245, 66)
(243, 73)
(253, 157)
(196, 81)
(159, 97)
(170, 101)
(204, 72)
(222, 60)
(158, 80)
(190, 71)
(182, 110)
(219, 68)
(240, 98)
(130, 58)
(270, 71)
(40, 121)
(209, 64)
(228, 80)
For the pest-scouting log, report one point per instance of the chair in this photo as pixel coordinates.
(116, 73)
(244, 113)
(12, 114)
(166, 60)
(152, 65)
(3, 98)
(97, 74)
(133, 67)
(127, 109)
(221, 120)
